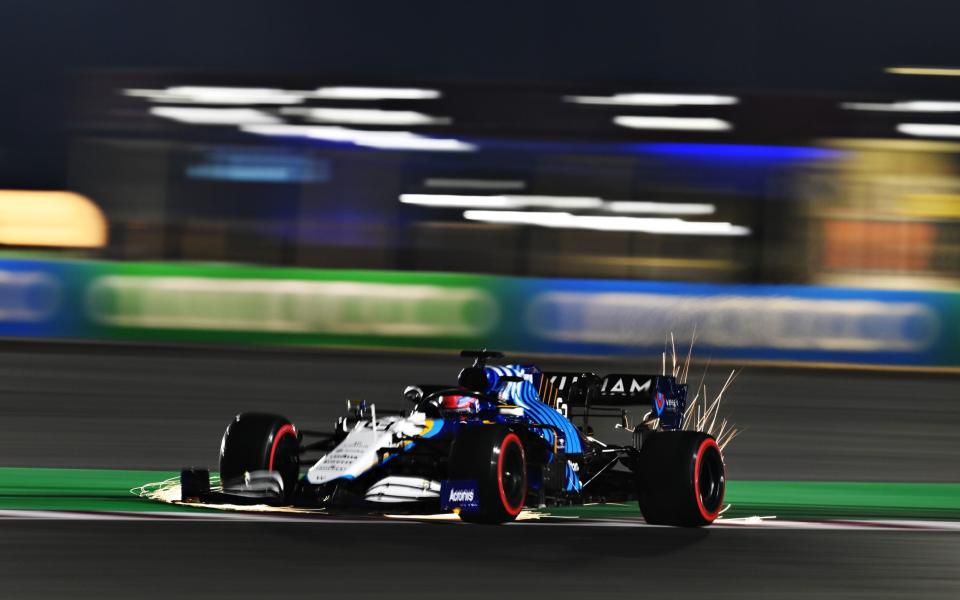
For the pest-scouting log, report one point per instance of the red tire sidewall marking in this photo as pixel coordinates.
(511, 438)
(708, 516)
(287, 429)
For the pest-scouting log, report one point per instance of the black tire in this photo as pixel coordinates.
(682, 478)
(261, 442)
(493, 456)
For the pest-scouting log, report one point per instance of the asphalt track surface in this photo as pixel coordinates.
(179, 559)
(139, 408)
(163, 408)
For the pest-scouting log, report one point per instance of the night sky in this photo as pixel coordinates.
(759, 44)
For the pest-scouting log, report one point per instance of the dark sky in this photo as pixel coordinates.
(755, 44)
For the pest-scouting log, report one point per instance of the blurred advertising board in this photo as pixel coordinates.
(761, 322)
(226, 304)
(39, 298)
(240, 304)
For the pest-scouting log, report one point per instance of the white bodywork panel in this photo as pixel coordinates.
(397, 488)
(359, 451)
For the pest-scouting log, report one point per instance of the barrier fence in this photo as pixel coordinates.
(205, 303)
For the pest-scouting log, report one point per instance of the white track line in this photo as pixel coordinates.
(749, 523)
(66, 515)
(844, 525)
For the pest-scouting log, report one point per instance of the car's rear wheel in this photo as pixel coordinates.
(682, 478)
(261, 442)
(494, 457)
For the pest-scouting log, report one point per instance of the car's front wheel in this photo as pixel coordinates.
(260, 442)
(493, 456)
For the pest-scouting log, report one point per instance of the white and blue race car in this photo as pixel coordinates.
(502, 439)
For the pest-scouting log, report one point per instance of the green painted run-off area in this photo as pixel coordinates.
(109, 490)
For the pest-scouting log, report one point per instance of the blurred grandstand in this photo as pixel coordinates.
(558, 181)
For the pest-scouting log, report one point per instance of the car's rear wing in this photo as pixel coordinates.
(666, 397)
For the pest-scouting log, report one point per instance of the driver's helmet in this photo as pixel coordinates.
(454, 404)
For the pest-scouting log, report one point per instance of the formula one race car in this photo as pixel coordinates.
(502, 439)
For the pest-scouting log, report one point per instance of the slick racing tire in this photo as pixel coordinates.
(493, 456)
(681, 478)
(261, 442)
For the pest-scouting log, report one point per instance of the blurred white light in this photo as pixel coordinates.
(565, 220)
(367, 116)
(908, 106)
(463, 201)
(929, 130)
(935, 71)
(673, 123)
(337, 134)
(404, 140)
(660, 208)
(219, 95)
(474, 184)
(374, 93)
(388, 140)
(655, 100)
(451, 201)
(214, 116)
(557, 202)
